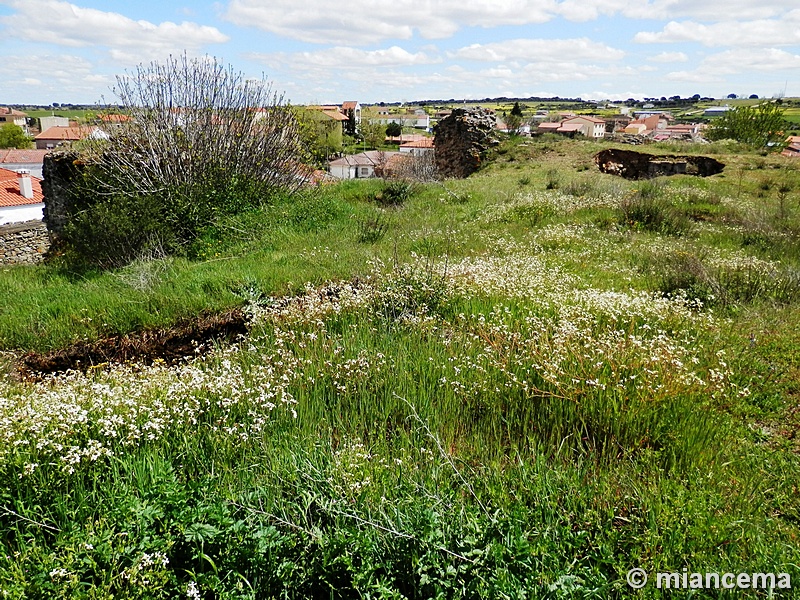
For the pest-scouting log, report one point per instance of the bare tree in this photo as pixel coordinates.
(203, 138)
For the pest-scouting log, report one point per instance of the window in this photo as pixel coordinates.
(364, 171)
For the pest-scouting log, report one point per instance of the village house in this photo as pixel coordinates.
(21, 197)
(364, 165)
(46, 123)
(418, 119)
(55, 136)
(352, 105)
(29, 160)
(591, 127)
(9, 115)
(417, 147)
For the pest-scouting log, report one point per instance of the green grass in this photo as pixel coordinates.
(510, 399)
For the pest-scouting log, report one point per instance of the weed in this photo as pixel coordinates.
(372, 229)
(552, 179)
(394, 192)
(648, 212)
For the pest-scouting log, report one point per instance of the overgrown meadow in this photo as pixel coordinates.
(520, 385)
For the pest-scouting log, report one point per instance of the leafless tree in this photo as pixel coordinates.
(201, 137)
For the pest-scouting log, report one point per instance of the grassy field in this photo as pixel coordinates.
(519, 385)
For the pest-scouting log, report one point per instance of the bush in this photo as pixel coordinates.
(649, 210)
(113, 232)
(203, 142)
(394, 193)
(372, 229)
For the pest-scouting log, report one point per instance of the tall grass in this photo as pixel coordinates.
(472, 403)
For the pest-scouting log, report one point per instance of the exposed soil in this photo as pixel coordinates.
(171, 345)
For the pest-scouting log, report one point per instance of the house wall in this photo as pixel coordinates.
(46, 123)
(34, 169)
(19, 214)
(23, 243)
(341, 171)
(47, 144)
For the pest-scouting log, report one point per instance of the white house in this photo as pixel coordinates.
(416, 120)
(591, 127)
(15, 159)
(46, 123)
(355, 107)
(360, 166)
(417, 147)
(9, 115)
(21, 197)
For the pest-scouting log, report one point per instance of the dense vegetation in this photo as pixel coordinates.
(520, 385)
(203, 143)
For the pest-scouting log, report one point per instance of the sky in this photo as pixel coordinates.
(323, 52)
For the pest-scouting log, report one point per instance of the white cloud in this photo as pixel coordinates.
(764, 32)
(58, 77)
(669, 57)
(364, 21)
(732, 62)
(707, 10)
(343, 58)
(65, 24)
(541, 51)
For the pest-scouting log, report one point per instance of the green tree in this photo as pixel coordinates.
(373, 133)
(755, 126)
(13, 136)
(350, 126)
(516, 110)
(394, 129)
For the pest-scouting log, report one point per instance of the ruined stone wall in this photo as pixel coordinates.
(461, 141)
(59, 170)
(640, 165)
(23, 242)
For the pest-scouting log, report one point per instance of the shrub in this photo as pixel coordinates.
(202, 142)
(395, 192)
(372, 229)
(649, 210)
(116, 231)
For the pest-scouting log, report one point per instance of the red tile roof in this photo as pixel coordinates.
(586, 118)
(423, 143)
(9, 190)
(65, 133)
(114, 118)
(5, 110)
(349, 104)
(22, 156)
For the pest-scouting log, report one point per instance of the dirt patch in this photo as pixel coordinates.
(640, 165)
(171, 345)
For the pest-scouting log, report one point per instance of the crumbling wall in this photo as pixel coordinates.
(640, 165)
(59, 170)
(23, 242)
(462, 140)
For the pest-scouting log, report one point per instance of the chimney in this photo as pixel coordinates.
(25, 184)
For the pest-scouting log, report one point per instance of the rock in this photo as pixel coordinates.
(461, 141)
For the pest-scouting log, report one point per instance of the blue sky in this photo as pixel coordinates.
(317, 51)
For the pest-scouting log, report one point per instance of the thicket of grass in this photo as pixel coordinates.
(522, 413)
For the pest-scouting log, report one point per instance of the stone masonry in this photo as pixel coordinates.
(461, 141)
(23, 242)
